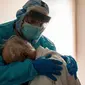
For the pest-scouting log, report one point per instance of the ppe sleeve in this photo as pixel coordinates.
(45, 42)
(71, 65)
(16, 73)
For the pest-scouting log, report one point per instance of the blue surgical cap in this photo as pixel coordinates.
(31, 3)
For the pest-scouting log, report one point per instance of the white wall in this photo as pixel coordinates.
(81, 39)
(8, 9)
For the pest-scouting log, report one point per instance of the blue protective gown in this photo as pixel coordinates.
(18, 72)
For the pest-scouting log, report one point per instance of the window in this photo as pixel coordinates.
(61, 27)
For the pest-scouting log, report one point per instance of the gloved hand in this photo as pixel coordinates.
(71, 65)
(48, 67)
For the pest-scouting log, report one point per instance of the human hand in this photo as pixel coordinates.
(48, 67)
(71, 65)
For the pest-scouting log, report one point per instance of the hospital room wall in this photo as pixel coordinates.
(8, 9)
(80, 5)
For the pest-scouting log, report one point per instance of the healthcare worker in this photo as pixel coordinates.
(29, 25)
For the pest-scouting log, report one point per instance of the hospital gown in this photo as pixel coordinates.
(64, 79)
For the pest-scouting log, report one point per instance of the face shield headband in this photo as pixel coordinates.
(38, 16)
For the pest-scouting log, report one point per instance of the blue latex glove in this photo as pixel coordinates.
(48, 67)
(71, 65)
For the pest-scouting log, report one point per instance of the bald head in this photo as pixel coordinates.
(16, 49)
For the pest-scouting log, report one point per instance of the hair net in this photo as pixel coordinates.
(32, 3)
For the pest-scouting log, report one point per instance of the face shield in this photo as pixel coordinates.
(33, 19)
(34, 24)
(36, 18)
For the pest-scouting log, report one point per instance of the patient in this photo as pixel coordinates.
(64, 79)
(17, 49)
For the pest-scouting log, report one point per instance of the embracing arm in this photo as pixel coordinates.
(16, 73)
(71, 65)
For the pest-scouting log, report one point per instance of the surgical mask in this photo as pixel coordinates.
(31, 32)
